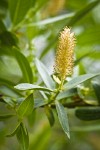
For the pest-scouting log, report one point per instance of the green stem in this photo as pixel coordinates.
(56, 92)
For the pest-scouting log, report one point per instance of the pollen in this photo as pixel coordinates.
(64, 60)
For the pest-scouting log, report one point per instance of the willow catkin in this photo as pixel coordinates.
(65, 54)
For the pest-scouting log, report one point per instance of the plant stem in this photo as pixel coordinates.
(56, 92)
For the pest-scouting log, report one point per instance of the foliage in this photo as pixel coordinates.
(28, 40)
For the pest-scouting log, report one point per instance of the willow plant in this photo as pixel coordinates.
(55, 89)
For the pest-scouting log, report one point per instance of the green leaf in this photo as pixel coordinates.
(50, 115)
(23, 137)
(24, 66)
(51, 20)
(9, 101)
(27, 86)
(19, 8)
(88, 114)
(77, 80)
(4, 117)
(44, 74)
(39, 102)
(14, 132)
(81, 13)
(26, 107)
(63, 119)
(22, 61)
(96, 87)
(7, 88)
(66, 94)
(31, 118)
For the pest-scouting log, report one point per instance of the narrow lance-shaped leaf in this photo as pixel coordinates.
(44, 74)
(23, 137)
(27, 86)
(77, 80)
(63, 119)
(26, 107)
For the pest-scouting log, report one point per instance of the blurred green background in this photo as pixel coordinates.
(34, 27)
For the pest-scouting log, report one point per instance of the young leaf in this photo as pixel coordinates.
(50, 115)
(44, 74)
(27, 86)
(4, 117)
(77, 80)
(63, 119)
(23, 137)
(26, 107)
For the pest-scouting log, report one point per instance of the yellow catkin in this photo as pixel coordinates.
(65, 54)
